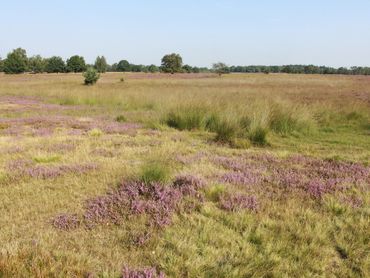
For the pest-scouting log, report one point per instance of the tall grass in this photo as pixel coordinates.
(253, 121)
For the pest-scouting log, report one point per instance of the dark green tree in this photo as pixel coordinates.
(76, 64)
(1, 65)
(37, 64)
(16, 61)
(55, 64)
(123, 65)
(172, 63)
(187, 69)
(101, 64)
(153, 68)
(91, 76)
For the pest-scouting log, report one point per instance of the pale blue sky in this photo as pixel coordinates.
(237, 32)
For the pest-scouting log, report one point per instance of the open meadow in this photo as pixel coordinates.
(185, 175)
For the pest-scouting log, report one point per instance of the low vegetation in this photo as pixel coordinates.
(184, 175)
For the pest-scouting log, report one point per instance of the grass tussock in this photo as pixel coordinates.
(154, 171)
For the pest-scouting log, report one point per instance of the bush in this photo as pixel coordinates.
(91, 76)
(121, 119)
(154, 172)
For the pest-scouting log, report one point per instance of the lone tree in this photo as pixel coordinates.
(91, 76)
(55, 64)
(101, 64)
(37, 64)
(76, 64)
(172, 63)
(16, 61)
(220, 68)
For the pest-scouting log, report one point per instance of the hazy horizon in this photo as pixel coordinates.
(236, 32)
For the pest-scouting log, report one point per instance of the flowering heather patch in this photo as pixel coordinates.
(238, 202)
(353, 201)
(66, 222)
(45, 125)
(27, 168)
(189, 185)
(149, 272)
(60, 148)
(316, 188)
(132, 198)
(189, 159)
(314, 176)
(241, 178)
(156, 201)
(102, 152)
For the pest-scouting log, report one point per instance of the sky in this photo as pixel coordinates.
(237, 32)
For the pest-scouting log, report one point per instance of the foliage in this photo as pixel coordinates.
(55, 64)
(171, 63)
(1, 65)
(76, 64)
(123, 66)
(91, 76)
(220, 68)
(37, 64)
(153, 68)
(101, 64)
(16, 62)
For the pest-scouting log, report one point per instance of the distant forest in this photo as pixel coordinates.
(17, 61)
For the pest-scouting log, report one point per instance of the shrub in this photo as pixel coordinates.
(121, 119)
(91, 76)
(154, 171)
(95, 132)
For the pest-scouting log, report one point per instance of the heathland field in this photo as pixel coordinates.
(185, 175)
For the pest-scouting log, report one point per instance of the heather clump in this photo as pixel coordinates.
(236, 202)
(28, 168)
(148, 272)
(66, 221)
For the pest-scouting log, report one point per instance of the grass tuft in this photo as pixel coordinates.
(154, 171)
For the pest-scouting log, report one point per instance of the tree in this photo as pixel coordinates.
(101, 64)
(1, 65)
(76, 64)
(37, 64)
(91, 76)
(220, 68)
(172, 63)
(187, 69)
(153, 68)
(55, 64)
(16, 61)
(123, 65)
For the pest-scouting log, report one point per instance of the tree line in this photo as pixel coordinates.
(17, 61)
